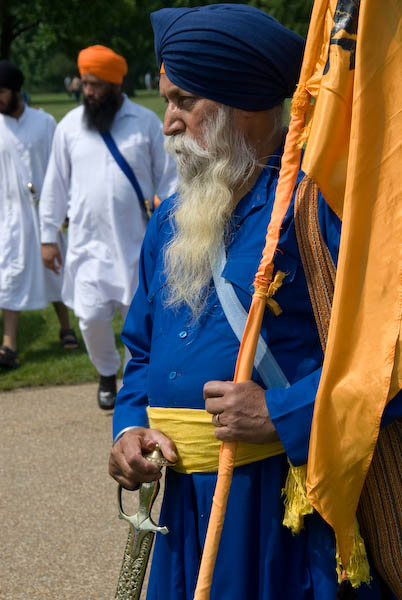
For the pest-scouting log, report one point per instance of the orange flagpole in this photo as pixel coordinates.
(245, 360)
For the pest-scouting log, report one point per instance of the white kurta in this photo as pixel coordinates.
(25, 145)
(106, 221)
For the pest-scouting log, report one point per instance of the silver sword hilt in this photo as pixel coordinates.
(142, 520)
(140, 536)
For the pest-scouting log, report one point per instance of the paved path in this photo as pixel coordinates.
(60, 537)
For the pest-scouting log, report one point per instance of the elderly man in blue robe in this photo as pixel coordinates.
(225, 71)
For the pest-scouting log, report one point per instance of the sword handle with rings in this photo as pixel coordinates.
(140, 536)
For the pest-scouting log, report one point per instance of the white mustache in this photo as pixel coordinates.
(182, 144)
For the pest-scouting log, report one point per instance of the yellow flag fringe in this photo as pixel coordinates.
(358, 568)
(297, 505)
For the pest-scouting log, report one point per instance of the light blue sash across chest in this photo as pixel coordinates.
(265, 363)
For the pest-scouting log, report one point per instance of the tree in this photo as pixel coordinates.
(49, 27)
(295, 14)
(15, 19)
(33, 32)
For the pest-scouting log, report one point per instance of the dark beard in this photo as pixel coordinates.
(12, 105)
(100, 116)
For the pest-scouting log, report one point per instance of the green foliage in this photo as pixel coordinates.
(44, 36)
(295, 14)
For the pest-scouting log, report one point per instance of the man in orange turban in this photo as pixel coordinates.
(102, 72)
(103, 63)
(107, 158)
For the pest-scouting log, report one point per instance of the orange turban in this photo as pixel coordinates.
(103, 63)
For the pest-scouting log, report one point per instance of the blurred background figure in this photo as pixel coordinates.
(148, 81)
(67, 85)
(76, 88)
(107, 157)
(25, 142)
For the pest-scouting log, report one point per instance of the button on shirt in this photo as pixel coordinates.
(173, 356)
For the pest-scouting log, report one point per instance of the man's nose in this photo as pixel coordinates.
(172, 124)
(88, 89)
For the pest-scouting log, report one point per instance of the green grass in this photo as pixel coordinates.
(43, 360)
(59, 104)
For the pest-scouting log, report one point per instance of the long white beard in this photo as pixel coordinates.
(208, 177)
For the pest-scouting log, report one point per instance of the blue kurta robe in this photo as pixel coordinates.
(173, 357)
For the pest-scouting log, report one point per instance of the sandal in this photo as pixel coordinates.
(68, 339)
(8, 358)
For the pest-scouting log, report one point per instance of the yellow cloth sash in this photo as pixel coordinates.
(197, 447)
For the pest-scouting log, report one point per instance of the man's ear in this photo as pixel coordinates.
(240, 114)
(242, 119)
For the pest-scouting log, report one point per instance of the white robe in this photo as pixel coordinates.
(25, 145)
(106, 222)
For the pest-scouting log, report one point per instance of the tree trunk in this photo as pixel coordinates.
(6, 25)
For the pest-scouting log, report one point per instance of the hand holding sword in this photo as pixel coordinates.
(142, 527)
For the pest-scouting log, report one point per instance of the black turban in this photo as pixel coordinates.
(11, 77)
(231, 53)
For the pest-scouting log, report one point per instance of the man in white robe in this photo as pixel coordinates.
(25, 142)
(106, 219)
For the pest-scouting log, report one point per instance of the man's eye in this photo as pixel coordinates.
(186, 102)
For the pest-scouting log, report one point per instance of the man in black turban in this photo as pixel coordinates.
(225, 71)
(11, 80)
(25, 141)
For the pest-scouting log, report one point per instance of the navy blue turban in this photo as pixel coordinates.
(231, 53)
(11, 78)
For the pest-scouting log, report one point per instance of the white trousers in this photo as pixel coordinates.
(100, 341)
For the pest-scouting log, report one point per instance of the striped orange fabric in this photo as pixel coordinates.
(380, 507)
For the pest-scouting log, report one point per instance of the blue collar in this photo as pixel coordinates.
(257, 196)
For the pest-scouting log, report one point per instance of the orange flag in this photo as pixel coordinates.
(354, 153)
(352, 71)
